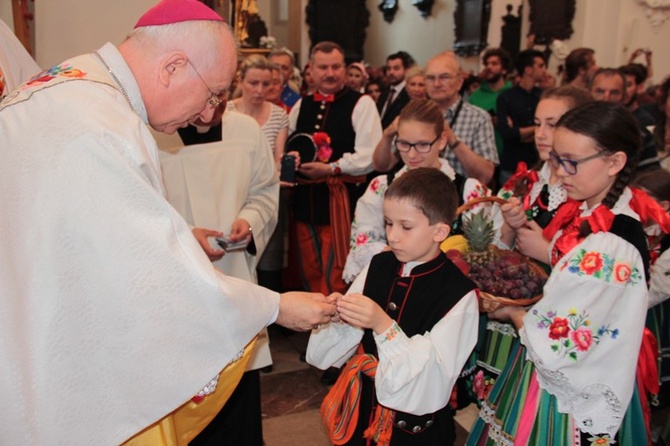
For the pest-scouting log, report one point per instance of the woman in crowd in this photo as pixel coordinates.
(415, 84)
(357, 77)
(571, 380)
(374, 89)
(307, 86)
(255, 80)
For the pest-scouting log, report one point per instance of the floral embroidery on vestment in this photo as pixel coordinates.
(63, 69)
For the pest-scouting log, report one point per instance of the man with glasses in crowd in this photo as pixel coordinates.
(284, 59)
(113, 316)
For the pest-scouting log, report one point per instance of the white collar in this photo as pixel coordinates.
(117, 64)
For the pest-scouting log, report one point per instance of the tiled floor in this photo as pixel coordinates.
(292, 393)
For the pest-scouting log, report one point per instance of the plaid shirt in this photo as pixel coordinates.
(473, 126)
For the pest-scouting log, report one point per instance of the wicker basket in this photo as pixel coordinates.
(487, 301)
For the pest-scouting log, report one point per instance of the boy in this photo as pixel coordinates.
(416, 322)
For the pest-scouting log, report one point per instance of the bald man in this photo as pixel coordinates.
(112, 315)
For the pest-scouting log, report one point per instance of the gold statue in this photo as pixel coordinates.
(243, 10)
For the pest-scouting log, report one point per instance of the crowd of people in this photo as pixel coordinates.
(335, 188)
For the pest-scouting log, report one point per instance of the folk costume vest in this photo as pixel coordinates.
(311, 201)
(416, 302)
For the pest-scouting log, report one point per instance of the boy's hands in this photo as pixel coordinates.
(361, 311)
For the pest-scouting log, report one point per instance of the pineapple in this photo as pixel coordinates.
(478, 230)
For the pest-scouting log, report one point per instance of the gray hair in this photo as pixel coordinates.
(283, 51)
(196, 38)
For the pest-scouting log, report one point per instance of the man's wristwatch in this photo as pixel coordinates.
(335, 169)
(455, 144)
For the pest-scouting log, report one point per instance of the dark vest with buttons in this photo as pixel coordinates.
(416, 303)
(311, 201)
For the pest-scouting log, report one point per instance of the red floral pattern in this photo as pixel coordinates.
(582, 339)
(591, 262)
(559, 328)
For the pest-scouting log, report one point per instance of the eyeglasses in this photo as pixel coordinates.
(214, 100)
(570, 166)
(444, 77)
(420, 147)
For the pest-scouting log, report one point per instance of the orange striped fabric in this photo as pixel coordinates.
(339, 409)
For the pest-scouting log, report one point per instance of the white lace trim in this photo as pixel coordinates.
(557, 194)
(489, 367)
(211, 386)
(596, 409)
(496, 434)
(500, 327)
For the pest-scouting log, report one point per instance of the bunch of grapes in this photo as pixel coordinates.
(506, 276)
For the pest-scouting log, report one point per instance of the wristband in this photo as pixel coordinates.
(335, 169)
(455, 144)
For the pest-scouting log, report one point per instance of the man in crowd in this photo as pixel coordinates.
(113, 316)
(284, 59)
(471, 148)
(635, 75)
(516, 114)
(580, 66)
(609, 84)
(391, 103)
(494, 81)
(348, 125)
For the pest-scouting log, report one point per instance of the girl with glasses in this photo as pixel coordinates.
(571, 380)
(419, 140)
(534, 196)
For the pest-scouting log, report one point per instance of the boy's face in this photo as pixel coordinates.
(409, 233)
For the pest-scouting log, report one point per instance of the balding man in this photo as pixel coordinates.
(471, 148)
(112, 315)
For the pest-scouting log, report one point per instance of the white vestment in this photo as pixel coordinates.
(111, 315)
(212, 185)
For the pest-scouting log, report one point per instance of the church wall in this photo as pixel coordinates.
(612, 27)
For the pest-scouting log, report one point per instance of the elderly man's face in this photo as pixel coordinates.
(608, 88)
(272, 94)
(328, 71)
(285, 65)
(443, 79)
(193, 90)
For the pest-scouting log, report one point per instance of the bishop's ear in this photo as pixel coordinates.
(174, 64)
